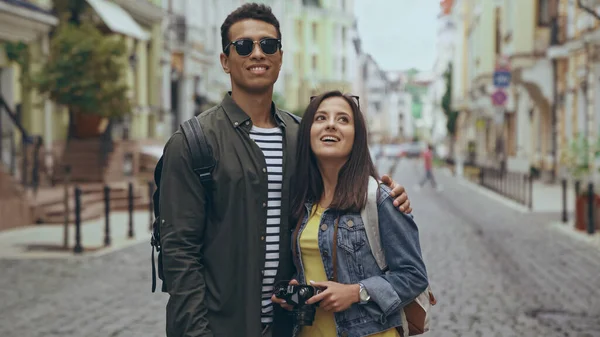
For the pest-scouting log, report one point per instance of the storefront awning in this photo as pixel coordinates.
(21, 21)
(118, 20)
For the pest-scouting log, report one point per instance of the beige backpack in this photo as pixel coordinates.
(415, 315)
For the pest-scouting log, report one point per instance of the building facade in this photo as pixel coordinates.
(517, 133)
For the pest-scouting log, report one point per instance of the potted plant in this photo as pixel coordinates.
(576, 161)
(85, 72)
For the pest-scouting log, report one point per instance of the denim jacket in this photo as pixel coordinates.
(390, 291)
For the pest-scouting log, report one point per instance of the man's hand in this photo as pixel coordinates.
(281, 301)
(335, 297)
(399, 193)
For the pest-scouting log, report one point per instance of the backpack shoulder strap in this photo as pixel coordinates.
(370, 219)
(203, 161)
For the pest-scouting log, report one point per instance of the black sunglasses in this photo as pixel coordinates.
(244, 47)
(354, 97)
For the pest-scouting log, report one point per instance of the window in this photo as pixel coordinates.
(544, 12)
(299, 30)
(298, 62)
(314, 62)
(314, 30)
(343, 36)
(343, 65)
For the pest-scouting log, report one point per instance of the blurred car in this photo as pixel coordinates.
(392, 150)
(413, 149)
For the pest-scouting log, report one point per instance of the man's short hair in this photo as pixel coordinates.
(247, 11)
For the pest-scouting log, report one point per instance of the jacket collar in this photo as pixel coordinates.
(239, 118)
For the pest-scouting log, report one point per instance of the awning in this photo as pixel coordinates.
(118, 20)
(21, 21)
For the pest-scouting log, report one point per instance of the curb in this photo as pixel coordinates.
(482, 190)
(569, 230)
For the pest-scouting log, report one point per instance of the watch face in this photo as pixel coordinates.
(363, 295)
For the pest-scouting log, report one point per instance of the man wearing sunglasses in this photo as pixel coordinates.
(221, 246)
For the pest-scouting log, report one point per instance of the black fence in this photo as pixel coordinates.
(78, 248)
(515, 186)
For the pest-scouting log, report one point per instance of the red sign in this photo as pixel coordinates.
(499, 97)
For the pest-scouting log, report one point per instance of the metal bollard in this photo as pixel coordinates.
(130, 199)
(66, 207)
(481, 176)
(591, 226)
(150, 203)
(77, 249)
(107, 240)
(530, 192)
(565, 217)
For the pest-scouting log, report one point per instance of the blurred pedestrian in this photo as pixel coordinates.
(427, 156)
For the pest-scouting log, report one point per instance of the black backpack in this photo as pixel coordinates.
(203, 163)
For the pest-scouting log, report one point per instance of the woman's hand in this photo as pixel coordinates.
(281, 301)
(335, 296)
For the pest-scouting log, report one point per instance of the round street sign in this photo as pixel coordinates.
(499, 97)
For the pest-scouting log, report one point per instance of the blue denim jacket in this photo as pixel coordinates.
(389, 291)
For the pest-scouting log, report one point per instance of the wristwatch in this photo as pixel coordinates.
(363, 294)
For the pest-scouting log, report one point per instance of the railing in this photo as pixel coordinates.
(29, 148)
(512, 185)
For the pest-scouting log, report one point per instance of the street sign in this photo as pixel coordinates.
(502, 78)
(499, 97)
(502, 73)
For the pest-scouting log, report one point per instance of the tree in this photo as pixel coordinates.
(451, 115)
(85, 71)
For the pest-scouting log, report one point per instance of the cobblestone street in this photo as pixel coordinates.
(496, 272)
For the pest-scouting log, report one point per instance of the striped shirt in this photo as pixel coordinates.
(270, 141)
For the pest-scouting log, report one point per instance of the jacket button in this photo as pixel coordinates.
(264, 204)
(350, 223)
(262, 238)
(324, 227)
(247, 122)
(325, 253)
(236, 123)
(264, 170)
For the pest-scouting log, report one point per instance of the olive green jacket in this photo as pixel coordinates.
(214, 241)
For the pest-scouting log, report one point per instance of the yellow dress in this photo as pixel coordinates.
(324, 323)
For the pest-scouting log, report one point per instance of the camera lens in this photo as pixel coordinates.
(303, 292)
(305, 315)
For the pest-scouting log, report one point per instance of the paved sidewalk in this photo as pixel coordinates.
(547, 200)
(46, 240)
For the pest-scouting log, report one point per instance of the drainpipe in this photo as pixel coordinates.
(554, 40)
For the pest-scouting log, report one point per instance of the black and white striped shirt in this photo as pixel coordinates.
(270, 141)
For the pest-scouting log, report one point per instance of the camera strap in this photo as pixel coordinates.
(334, 253)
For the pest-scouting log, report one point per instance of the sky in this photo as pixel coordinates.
(399, 34)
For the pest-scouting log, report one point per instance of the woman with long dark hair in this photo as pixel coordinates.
(330, 245)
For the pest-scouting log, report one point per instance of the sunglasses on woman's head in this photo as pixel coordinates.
(354, 97)
(244, 47)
